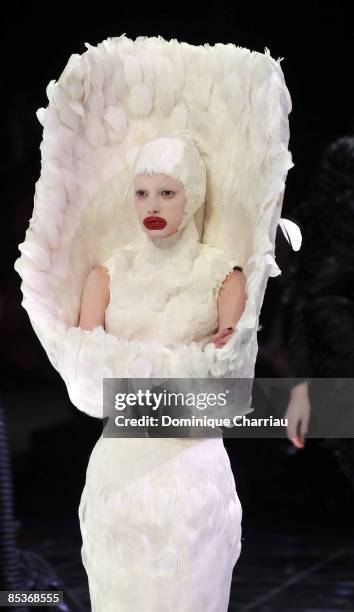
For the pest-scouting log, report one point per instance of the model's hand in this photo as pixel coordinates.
(298, 413)
(222, 337)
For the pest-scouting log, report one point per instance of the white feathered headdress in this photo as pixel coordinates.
(107, 103)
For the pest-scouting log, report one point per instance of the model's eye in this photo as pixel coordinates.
(169, 193)
(140, 193)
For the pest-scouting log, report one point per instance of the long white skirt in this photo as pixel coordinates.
(160, 521)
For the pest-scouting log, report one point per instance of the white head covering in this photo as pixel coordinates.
(178, 157)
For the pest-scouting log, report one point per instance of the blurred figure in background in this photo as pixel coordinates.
(319, 307)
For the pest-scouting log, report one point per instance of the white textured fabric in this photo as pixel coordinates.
(161, 525)
(165, 290)
(153, 285)
(160, 518)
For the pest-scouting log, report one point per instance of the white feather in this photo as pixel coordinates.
(95, 102)
(139, 100)
(95, 130)
(132, 70)
(77, 108)
(36, 253)
(41, 113)
(291, 232)
(50, 89)
(117, 119)
(119, 82)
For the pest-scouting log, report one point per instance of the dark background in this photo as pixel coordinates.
(50, 441)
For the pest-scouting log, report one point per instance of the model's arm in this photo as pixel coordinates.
(95, 298)
(231, 304)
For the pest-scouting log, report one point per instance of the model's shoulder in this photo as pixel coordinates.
(97, 277)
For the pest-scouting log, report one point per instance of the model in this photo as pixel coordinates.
(163, 169)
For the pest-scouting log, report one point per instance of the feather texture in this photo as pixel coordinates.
(233, 101)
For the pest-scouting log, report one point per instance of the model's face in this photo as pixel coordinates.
(160, 202)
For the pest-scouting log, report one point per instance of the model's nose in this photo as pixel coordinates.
(154, 207)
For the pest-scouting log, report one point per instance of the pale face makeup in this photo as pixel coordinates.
(159, 202)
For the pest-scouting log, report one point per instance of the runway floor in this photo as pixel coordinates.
(281, 568)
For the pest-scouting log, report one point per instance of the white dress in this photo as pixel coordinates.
(160, 517)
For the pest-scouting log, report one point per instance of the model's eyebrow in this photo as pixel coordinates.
(159, 189)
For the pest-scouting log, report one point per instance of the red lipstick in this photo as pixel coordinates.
(155, 223)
